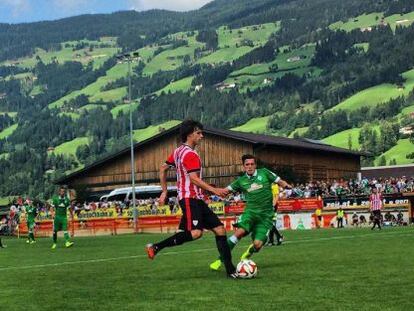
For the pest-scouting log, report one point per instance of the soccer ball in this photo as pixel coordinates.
(247, 269)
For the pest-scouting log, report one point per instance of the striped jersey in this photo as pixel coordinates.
(376, 201)
(186, 160)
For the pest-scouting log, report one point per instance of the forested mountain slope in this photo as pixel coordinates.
(338, 71)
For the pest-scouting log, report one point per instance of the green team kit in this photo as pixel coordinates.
(60, 222)
(31, 213)
(257, 217)
(258, 214)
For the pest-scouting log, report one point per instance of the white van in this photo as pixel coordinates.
(141, 192)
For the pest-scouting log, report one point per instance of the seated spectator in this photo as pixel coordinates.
(354, 219)
(362, 220)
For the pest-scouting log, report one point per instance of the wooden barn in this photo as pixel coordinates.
(221, 152)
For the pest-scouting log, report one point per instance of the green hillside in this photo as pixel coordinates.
(94, 90)
(182, 85)
(283, 67)
(257, 34)
(225, 55)
(288, 60)
(124, 108)
(399, 152)
(72, 115)
(374, 19)
(341, 139)
(255, 125)
(10, 114)
(378, 94)
(8, 131)
(69, 147)
(85, 56)
(253, 82)
(173, 58)
(299, 131)
(143, 134)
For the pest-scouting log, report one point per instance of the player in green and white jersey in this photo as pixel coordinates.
(61, 203)
(31, 213)
(256, 186)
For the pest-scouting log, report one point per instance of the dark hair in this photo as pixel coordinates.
(187, 127)
(247, 157)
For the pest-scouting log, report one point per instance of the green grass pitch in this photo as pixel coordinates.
(349, 269)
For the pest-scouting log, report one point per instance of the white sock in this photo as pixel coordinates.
(233, 239)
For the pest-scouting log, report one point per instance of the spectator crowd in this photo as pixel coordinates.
(321, 189)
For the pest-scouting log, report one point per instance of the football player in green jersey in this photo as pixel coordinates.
(256, 186)
(31, 213)
(61, 203)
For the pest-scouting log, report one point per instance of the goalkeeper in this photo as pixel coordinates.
(256, 186)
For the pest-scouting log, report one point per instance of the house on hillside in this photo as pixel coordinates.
(267, 80)
(223, 86)
(366, 29)
(198, 87)
(407, 130)
(293, 59)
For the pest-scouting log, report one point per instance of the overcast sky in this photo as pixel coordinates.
(20, 11)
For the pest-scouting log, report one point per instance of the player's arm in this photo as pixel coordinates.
(234, 186)
(163, 181)
(276, 179)
(221, 192)
(283, 183)
(51, 208)
(163, 177)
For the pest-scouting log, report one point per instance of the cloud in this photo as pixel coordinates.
(176, 5)
(17, 7)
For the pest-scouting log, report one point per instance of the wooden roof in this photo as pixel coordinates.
(255, 139)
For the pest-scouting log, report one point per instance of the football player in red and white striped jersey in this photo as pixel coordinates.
(197, 216)
(375, 200)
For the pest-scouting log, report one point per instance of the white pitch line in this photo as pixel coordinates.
(307, 240)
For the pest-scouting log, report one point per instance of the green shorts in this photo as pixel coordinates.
(30, 224)
(258, 225)
(60, 223)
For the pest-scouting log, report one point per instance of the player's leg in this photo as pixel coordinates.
(271, 238)
(190, 229)
(231, 242)
(28, 232)
(68, 242)
(31, 226)
(213, 223)
(260, 232)
(56, 227)
(242, 229)
(379, 219)
(279, 236)
(1, 244)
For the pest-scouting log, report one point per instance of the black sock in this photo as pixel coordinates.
(1, 244)
(177, 239)
(54, 237)
(225, 253)
(271, 238)
(278, 235)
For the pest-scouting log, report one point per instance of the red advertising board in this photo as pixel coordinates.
(294, 205)
(236, 209)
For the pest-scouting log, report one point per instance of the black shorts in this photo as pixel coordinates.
(197, 216)
(377, 213)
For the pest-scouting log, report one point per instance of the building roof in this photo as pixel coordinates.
(255, 139)
(388, 171)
